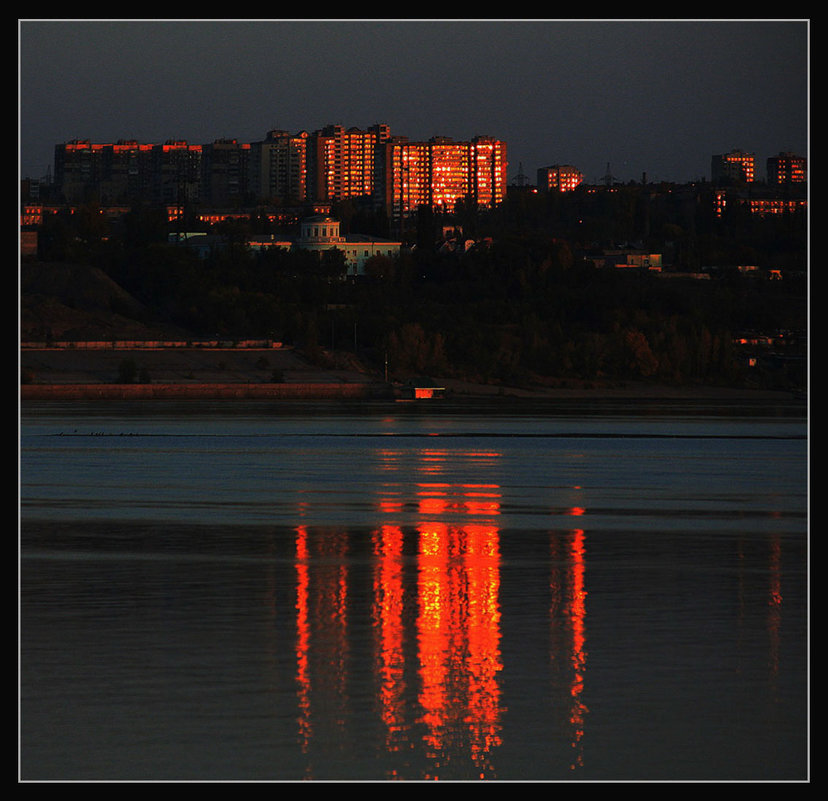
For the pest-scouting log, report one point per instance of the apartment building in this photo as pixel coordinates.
(278, 168)
(441, 172)
(125, 174)
(734, 166)
(224, 167)
(488, 164)
(342, 162)
(176, 172)
(85, 170)
(329, 165)
(127, 171)
(787, 168)
(405, 177)
(559, 178)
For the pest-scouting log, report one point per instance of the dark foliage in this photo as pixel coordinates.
(528, 306)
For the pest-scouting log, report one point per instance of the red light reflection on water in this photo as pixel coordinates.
(436, 499)
(436, 653)
(567, 618)
(458, 636)
(321, 615)
(302, 636)
(437, 636)
(389, 627)
(577, 617)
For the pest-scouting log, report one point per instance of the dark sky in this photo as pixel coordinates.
(654, 97)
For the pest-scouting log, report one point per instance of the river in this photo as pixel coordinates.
(266, 592)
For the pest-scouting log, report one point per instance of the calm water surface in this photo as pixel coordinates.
(255, 592)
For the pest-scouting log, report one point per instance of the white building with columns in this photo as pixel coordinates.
(321, 233)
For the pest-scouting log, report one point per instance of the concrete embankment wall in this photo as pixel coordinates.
(331, 391)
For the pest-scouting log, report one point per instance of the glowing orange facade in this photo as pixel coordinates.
(559, 178)
(449, 173)
(441, 172)
(763, 207)
(342, 162)
(406, 171)
(760, 205)
(787, 168)
(328, 165)
(735, 166)
(488, 166)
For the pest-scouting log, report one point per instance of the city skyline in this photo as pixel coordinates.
(644, 97)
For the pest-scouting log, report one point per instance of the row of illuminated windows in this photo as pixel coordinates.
(345, 165)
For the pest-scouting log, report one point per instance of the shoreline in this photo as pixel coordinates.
(638, 400)
(283, 375)
(203, 391)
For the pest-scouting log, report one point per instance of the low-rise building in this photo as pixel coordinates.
(321, 233)
(639, 259)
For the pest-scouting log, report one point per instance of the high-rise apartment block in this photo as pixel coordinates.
(328, 165)
(343, 162)
(406, 182)
(82, 167)
(559, 178)
(439, 173)
(176, 172)
(787, 168)
(488, 166)
(734, 166)
(128, 171)
(224, 166)
(278, 168)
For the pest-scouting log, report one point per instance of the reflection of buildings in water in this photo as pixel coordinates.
(303, 625)
(447, 618)
(431, 460)
(458, 575)
(422, 482)
(472, 499)
(774, 599)
(389, 631)
(321, 627)
(577, 616)
(437, 630)
(449, 624)
(458, 636)
(567, 616)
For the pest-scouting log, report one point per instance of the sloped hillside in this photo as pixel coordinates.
(71, 301)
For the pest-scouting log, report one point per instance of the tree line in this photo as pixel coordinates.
(522, 305)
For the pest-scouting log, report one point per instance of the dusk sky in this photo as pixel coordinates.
(654, 97)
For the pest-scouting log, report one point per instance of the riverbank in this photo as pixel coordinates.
(195, 391)
(285, 374)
